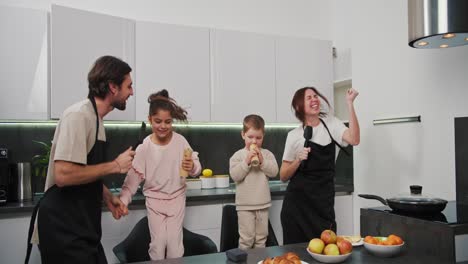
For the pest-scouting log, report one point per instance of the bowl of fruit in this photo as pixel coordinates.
(384, 246)
(329, 248)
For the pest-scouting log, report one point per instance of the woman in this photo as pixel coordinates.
(308, 206)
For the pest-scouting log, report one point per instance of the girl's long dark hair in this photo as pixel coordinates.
(161, 100)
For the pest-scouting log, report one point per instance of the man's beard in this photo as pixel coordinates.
(120, 105)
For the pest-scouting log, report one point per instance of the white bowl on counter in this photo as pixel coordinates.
(208, 182)
(221, 181)
(193, 184)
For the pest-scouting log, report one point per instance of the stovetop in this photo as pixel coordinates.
(452, 214)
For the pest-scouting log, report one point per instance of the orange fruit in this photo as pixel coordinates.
(387, 242)
(396, 239)
(371, 240)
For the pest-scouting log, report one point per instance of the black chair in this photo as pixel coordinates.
(230, 230)
(135, 247)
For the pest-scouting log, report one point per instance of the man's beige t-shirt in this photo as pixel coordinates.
(74, 136)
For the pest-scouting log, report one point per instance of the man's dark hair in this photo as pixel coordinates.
(106, 70)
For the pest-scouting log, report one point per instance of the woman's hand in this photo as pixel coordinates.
(351, 94)
(302, 154)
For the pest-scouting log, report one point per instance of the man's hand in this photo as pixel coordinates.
(117, 207)
(124, 160)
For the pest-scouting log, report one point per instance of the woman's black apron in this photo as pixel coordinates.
(308, 205)
(69, 222)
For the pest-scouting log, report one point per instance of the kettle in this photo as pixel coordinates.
(20, 183)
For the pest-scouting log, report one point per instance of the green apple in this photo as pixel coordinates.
(331, 249)
(316, 245)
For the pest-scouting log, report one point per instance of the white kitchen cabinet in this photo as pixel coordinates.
(78, 38)
(301, 62)
(205, 220)
(24, 63)
(243, 76)
(275, 217)
(175, 58)
(344, 214)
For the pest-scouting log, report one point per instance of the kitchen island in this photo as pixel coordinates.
(359, 255)
(442, 236)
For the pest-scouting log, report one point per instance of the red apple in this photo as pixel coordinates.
(328, 237)
(344, 246)
(331, 249)
(316, 245)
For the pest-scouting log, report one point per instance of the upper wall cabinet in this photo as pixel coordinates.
(299, 63)
(78, 39)
(23, 63)
(243, 81)
(175, 58)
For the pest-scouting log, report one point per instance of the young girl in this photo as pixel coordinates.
(158, 161)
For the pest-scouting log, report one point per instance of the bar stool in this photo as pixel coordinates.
(230, 230)
(135, 247)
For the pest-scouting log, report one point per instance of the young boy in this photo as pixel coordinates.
(250, 168)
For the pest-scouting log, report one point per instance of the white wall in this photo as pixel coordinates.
(396, 80)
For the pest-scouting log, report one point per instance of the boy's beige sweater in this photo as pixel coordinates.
(252, 188)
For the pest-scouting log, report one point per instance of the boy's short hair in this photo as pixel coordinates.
(255, 122)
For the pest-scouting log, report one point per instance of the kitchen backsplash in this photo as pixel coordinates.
(215, 145)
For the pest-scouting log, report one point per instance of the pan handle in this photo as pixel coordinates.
(373, 197)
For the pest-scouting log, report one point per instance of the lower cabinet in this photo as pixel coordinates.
(204, 219)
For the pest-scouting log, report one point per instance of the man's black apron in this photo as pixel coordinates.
(308, 205)
(69, 222)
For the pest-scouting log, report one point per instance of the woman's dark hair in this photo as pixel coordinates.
(297, 103)
(255, 122)
(161, 100)
(106, 70)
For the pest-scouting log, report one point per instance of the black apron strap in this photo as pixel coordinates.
(32, 223)
(30, 232)
(333, 140)
(93, 101)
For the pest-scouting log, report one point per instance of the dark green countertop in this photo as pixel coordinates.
(194, 196)
(359, 255)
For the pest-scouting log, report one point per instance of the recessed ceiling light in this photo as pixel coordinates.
(448, 35)
(422, 43)
(444, 46)
(466, 39)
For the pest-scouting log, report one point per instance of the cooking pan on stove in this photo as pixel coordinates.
(415, 203)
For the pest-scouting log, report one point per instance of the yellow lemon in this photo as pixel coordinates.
(207, 173)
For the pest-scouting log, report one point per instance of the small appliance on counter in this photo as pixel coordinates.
(4, 175)
(20, 183)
